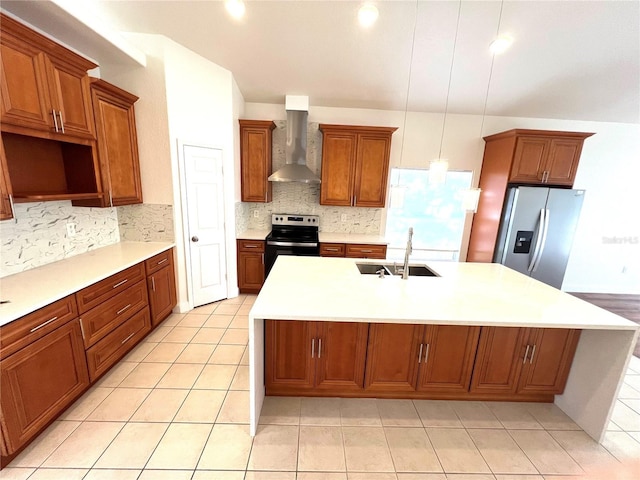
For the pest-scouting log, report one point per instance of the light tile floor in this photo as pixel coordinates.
(176, 408)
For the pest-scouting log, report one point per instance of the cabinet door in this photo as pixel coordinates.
(250, 271)
(25, 98)
(69, 93)
(6, 209)
(499, 360)
(359, 250)
(117, 143)
(162, 293)
(529, 160)
(338, 164)
(547, 365)
(255, 160)
(340, 355)
(561, 166)
(289, 366)
(372, 170)
(392, 357)
(39, 381)
(332, 249)
(447, 359)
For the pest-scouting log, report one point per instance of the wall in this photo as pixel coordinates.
(608, 170)
(38, 235)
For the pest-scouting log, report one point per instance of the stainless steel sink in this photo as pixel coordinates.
(395, 269)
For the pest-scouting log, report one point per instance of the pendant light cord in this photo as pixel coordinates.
(453, 55)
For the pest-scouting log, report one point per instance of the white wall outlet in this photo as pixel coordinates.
(624, 269)
(256, 214)
(343, 217)
(71, 229)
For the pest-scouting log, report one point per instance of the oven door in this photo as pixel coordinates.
(275, 248)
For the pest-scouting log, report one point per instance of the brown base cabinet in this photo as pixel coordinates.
(388, 360)
(353, 250)
(161, 285)
(302, 357)
(410, 358)
(524, 360)
(40, 381)
(250, 265)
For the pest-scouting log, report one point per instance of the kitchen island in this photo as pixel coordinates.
(467, 294)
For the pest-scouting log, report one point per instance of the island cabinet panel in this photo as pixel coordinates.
(392, 357)
(447, 359)
(289, 365)
(550, 354)
(40, 381)
(523, 361)
(309, 358)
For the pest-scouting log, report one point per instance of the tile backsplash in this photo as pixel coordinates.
(302, 198)
(146, 223)
(39, 235)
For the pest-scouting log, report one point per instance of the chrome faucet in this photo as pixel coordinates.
(407, 252)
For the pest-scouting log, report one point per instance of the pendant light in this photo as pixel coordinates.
(396, 195)
(438, 167)
(471, 197)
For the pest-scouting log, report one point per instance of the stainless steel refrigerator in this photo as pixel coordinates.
(536, 231)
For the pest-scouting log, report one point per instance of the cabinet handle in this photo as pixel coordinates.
(313, 348)
(122, 309)
(162, 261)
(61, 121)
(55, 119)
(120, 283)
(251, 246)
(366, 251)
(127, 339)
(81, 328)
(153, 283)
(43, 324)
(319, 347)
(420, 353)
(329, 249)
(533, 352)
(426, 354)
(525, 355)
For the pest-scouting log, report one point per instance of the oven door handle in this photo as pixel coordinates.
(292, 244)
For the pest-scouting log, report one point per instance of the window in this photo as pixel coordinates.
(434, 211)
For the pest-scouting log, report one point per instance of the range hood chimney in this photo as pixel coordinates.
(296, 169)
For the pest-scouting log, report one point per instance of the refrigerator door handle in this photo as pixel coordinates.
(544, 238)
(536, 249)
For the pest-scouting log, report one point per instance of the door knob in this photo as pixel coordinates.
(194, 239)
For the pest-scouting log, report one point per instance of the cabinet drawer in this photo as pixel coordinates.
(97, 293)
(356, 250)
(111, 348)
(101, 320)
(332, 249)
(159, 261)
(251, 246)
(29, 328)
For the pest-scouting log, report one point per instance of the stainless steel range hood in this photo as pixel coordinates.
(296, 169)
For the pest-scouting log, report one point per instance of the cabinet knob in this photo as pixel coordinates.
(194, 239)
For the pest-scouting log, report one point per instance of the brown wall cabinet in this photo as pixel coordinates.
(45, 87)
(355, 165)
(302, 357)
(117, 145)
(409, 358)
(6, 195)
(353, 250)
(250, 265)
(255, 160)
(161, 284)
(519, 157)
(524, 360)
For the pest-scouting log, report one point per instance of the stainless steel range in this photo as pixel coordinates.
(291, 235)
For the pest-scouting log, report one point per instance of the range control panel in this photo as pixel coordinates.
(299, 220)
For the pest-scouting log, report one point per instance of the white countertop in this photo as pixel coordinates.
(27, 291)
(332, 237)
(325, 289)
(253, 234)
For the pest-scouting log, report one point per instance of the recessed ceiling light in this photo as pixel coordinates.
(367, 15)
(235, 8)
(500, 44)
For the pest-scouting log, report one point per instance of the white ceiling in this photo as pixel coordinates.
(575, 60)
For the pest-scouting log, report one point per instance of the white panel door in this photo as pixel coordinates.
(205, 218)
